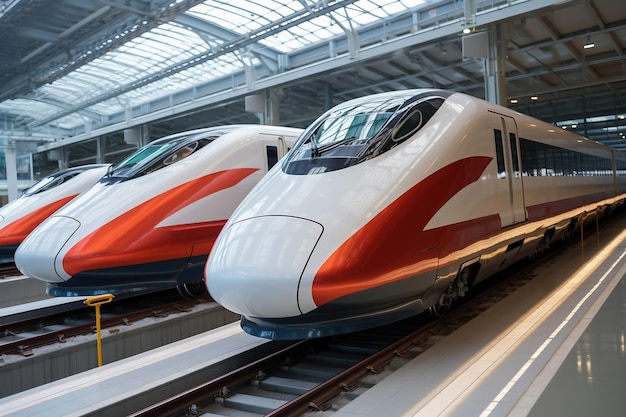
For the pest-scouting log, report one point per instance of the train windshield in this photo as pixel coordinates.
(54, 180)
(163, 152)
(350, 134)
(142, 155)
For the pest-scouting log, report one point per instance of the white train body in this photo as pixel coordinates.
(40, 200)
(413, 191)
(151, 222)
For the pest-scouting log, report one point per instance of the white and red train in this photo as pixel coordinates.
(396, 203)
(40, 200)
(151, 221)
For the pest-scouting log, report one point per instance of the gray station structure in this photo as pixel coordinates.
(91, 81)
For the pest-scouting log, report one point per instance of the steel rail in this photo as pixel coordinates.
(24, 346)
(215, 387)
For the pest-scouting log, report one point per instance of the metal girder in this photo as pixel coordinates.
(269, 57)
(228, 47)
(140, 16)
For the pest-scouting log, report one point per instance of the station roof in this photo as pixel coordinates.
(72, 69)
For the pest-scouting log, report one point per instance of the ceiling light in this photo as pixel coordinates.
(467, 30)
(589, 44)
(513, 101)
(534, 98)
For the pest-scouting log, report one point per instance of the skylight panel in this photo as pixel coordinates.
(233, 19)
(286, 9)
(188, 78)
(71, 121)
(171, 44)
(169, 41)
(256, 9)
(392, 7)
(28, 107)
(244, 17)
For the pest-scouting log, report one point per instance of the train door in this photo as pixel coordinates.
(508, 159)
(282, 147)
(275, 151)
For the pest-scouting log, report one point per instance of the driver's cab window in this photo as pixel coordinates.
(176, 156)
(50, 182)
(180, 154)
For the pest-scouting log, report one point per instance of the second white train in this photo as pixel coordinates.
(152, 220)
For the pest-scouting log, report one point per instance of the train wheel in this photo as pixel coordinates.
(443, 304)
(192, 289)
(457, 289)
(542, 247)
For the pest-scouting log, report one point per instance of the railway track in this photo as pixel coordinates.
(20, 337)
(322, 374)
(9, 270)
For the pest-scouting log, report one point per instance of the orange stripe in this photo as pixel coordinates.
(133, 238)
(393, 245)
(17, 231)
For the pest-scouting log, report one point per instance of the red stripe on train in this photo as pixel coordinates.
(393, 245)
(133, 237)
(17, 231)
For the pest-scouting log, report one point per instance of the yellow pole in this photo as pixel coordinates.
(96, 302)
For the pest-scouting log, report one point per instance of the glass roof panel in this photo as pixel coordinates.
(26, 107)
(188, 78)
(242, 17)
(172, 43)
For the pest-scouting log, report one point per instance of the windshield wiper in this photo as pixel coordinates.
(315, 151)
(330, 146)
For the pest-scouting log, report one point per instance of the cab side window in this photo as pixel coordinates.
(182, 153)
(271, 153)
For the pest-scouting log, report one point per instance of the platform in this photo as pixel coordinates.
(17, 290)
(138, 381)
(555, 347)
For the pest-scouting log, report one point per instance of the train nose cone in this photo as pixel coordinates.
(37, 256)
(256, 264)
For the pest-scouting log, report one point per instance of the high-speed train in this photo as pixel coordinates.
(396, 203)
(151, 221)
(40, 200)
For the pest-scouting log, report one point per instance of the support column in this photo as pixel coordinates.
(58, 155)
(100, 153)
(132, 136)
(11, 165)
(495, 77)
(272, 107)
(255, 103)
(489, 49)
